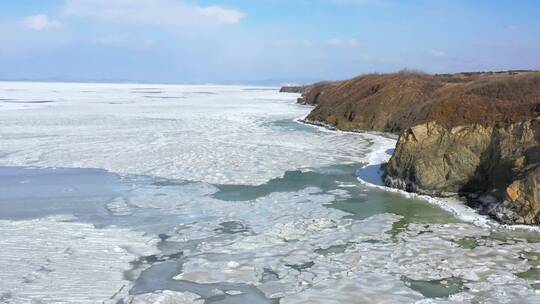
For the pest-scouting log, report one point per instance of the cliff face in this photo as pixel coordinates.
(433, 160)
(472, 134)
(488, 165)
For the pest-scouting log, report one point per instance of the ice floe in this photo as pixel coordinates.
(292, 247)
(53, 261)
(165, 297)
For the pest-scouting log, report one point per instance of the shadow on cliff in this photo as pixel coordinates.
(485, 190)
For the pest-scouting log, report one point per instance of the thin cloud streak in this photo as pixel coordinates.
(157, 13)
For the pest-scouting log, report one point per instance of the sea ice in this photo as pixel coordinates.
(165, 297)
(226, 135)
(190, 140)
(293, 247)
(52, 261)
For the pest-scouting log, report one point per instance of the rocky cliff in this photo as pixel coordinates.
(476, 135)
(486, 165)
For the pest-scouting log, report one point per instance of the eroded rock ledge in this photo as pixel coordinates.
(495, 168)
(476, 135)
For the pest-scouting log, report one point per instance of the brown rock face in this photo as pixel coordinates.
(436, 161)
(472, 134)
(494, 163)
(522, 203)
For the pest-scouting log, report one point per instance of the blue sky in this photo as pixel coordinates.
(252, 40)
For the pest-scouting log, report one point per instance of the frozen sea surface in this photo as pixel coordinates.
(210, 194)
(216, 134)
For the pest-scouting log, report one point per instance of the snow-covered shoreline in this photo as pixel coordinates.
(370, 174)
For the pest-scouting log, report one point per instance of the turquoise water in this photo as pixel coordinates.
(364, 201)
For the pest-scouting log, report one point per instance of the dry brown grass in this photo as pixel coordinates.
(393, 102)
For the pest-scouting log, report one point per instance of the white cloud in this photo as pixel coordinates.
(160, 13)
(338, 42)
(39, 23)
(437, 53)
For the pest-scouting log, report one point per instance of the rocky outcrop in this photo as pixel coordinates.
(476, 135)
(486, 165)
(292, 89)
(522, 203)
(433, 160)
